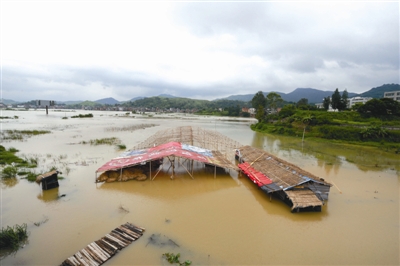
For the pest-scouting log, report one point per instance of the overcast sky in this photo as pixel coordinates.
(88, 50)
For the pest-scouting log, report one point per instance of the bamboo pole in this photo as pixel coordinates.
(187, 171)
(337, 187)
(157, 173)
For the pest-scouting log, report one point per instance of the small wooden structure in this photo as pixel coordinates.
(49, 180)
(98, 252)
(298, 188)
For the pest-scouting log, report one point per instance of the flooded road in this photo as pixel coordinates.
(225, 220)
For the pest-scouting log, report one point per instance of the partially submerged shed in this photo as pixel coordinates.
(300, 189)
(49, 180)
(155, 155)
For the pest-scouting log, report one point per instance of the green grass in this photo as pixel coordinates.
(9, 157)
(9, 172)
(12, 237)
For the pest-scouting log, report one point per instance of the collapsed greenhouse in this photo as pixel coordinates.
(182, 146)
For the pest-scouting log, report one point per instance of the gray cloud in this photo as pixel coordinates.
(203, 50)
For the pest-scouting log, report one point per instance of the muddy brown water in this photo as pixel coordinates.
(225, 220)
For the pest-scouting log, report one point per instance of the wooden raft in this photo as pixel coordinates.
(98, 252)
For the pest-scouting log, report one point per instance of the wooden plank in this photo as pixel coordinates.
(84, 258)
(105, 247)
(99, 251)
(113, 242)
(99, 254)
(81, 261)
(109, 244)
(123, 235)
(91, 259)
(116, 240)
(129, 232)
(118, 236)
(135, 233)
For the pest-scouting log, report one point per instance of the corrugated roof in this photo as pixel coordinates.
(257, 177)
(167, 149)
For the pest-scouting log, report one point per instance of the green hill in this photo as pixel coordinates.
(379, 91)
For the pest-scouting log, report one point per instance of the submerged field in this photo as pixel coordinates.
(224, 220)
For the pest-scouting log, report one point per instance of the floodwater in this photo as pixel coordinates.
(225, 220)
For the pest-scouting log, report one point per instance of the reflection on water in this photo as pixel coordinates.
(8, 182)
(329, 155)
(225, 220)
(50, 195)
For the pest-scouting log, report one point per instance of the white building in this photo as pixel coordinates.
(395, 95)
(354, 100)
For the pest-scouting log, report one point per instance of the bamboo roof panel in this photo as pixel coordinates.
(281, 172)
(303, 198)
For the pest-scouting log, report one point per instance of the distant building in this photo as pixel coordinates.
(352, 101)
(395, 95)
(319, 105)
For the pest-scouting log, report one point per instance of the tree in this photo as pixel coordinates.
(260, 114)
(273, 100)
(336, 100)
(258, 100)
(345, 97)
(383, 108)
(287, 110)
(326, 102)
(302, 103)
(306, 121)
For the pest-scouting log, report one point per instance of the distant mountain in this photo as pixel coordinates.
(8, 101)
(379, 91)
(136, 98)
(69, 102)
(240, 97)
(313, 95)
(110, 101)
(90, 103)
(167, 96)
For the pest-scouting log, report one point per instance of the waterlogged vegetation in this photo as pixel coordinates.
(130, 127)
(82, 116)
(175, 259)
(9, 117)
(12, 238)
(21, 134)
(103, 141)
(29, 167)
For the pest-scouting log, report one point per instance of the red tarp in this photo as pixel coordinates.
(158, 152)
(257, 177)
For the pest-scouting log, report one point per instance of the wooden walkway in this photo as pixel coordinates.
(98, 252)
